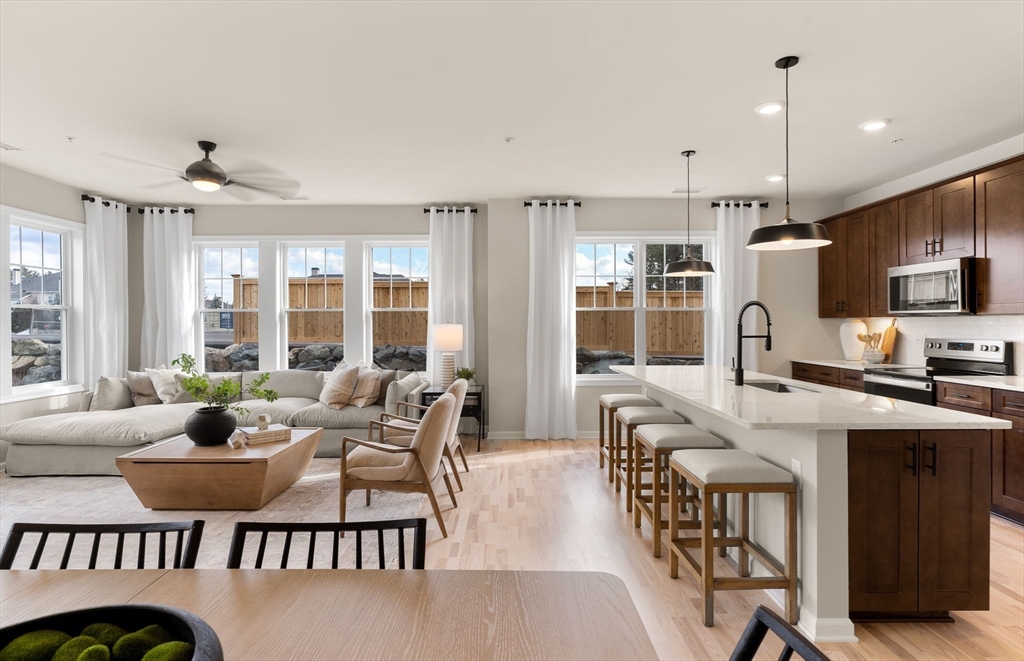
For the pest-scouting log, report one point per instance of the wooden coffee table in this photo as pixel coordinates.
(176, 474)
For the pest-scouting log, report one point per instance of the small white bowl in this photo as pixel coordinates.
(874, 356)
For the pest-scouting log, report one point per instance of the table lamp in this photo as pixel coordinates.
(447, 339)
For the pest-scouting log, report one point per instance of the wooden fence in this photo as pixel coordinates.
(672, 329)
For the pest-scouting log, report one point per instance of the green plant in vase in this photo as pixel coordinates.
(214, 423)
(466, 373)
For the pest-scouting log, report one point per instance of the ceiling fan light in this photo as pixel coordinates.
(206, 185)
(206, 175)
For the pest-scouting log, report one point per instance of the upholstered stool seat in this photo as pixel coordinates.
(658, 441)
(726, 472)
(610, 404)
(632, 417)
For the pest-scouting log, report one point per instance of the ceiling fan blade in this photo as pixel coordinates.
(239, 192)
(271, 185)
(138, 162)
(162, 184)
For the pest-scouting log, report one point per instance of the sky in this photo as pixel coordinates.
(35, 249)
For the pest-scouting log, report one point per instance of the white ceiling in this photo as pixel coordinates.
(409, 102)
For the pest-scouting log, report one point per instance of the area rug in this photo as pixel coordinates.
(103, 499)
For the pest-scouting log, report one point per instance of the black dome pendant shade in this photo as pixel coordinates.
(689, 265)
(205, 174)
(788, 234)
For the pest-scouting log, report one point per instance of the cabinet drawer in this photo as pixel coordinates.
(1008, 402)
(958, 394)
(806, 372)
(851, 379)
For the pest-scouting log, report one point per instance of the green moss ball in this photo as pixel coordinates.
(95, 653)
(133, 647)
(107, 634)
(175, 650)
(70, 650)
(34, 646)
(157, 633)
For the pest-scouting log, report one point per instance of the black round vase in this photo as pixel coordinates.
(210, 425)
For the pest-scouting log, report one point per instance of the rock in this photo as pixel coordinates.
(314, 352)
(29, 347)
(21, 362)
(401, 352)
(331, 364)
(401, 364)
(53, 351)
(384, 354)
(41, 375)
(618, 355)
(338, 351)
(245, 366)
(627, 361)
(585, 355)
(417, 354)
(42, 361)
(247, 351)
(659, 361)
(312, 365)
(216, 361)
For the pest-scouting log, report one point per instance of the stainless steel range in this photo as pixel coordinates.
(942, 356)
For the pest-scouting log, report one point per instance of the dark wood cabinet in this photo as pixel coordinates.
(917, 228)
(1008, 468)
(954, 220)
(1000, 232)
(919, 538)
(883, 225)
(831, 272)
(844, 268)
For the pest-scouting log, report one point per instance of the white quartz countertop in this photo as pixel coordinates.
(858, 365)
(998, 382)
(712, 389)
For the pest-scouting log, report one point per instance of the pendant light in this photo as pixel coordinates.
(689, 265)
(788, 234)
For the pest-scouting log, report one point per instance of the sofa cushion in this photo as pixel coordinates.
(400, 390)
(164, 383)
(126, 427)
(143, 391)
(386, 378)
(279, 410)
(339, 386)
(111, 394)
(321, 415)
(287, 383)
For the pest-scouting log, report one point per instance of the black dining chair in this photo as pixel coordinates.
(185, 550)
(334, 530)
(760, 623)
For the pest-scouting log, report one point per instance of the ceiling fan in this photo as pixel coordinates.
(207, 176)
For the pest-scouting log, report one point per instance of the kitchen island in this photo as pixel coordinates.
(859, 538)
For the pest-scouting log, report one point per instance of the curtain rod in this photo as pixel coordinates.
(561, 204)
(715, 205)
(106, 203)
(427, 209)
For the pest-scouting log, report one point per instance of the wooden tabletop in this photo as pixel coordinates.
(181, 449)
(314, 614)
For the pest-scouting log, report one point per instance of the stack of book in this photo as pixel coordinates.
(255, 435)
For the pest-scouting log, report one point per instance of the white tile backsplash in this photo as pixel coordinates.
(913, 330)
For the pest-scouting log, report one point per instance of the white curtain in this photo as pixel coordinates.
(169, 309)
(551, 326)
(735, 280)
(106, 289)
(451, 282)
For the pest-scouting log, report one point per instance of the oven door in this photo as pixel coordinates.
(908, 390)
(933, 288)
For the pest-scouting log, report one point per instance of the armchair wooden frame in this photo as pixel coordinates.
(421, 483)
(382, 424)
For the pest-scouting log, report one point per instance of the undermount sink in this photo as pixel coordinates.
(775, 386)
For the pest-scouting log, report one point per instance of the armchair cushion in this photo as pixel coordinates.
(365, 463)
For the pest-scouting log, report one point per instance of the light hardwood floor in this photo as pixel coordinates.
(546, 506)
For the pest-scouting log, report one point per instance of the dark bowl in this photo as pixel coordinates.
(179, 623)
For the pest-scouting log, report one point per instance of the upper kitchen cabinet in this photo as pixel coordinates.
(831, 272)
(843, 268)
(937, 223)
(883, 225)
(1000, 224)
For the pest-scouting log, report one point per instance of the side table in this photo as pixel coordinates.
(473, 407)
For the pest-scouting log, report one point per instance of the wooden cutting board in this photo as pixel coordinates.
(889, 341)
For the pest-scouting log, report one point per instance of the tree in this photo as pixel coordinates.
(660, 254)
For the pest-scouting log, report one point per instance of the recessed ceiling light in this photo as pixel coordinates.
(775, 177)
(874, 124)
(770, 107)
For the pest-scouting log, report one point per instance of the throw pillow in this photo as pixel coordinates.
(386, 378)
(163, 383)
(111, 395)
(143, 391)
(399, 391)
(367, 388)
(339, 387)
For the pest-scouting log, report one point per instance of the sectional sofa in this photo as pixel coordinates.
(86, 442)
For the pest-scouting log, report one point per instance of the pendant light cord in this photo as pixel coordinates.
(687, 205)
(787, 142)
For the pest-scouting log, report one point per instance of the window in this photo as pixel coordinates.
(608, 318)
(229, 312)
(315, 306)
(42, 319)
(398, 305)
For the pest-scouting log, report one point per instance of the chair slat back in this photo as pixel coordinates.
(185, 553)
(334, 530)
(760, 623)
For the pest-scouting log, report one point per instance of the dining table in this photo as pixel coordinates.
(312, 614)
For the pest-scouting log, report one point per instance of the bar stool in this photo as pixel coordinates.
(658, 442)
(632, 417)
(611, 404)
(725, 472)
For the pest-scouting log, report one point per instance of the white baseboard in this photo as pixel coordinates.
(519, 435)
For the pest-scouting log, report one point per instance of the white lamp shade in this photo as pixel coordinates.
(448, 337)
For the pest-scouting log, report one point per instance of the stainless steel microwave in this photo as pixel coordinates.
(933, 288)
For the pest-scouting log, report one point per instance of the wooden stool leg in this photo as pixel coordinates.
(638, 482)
(656, 502)
(630, 458)
(723, 532)
(600, 435)
(673, 522)
(744, 533)
(792, 615)
(707, 547)
(613, 466)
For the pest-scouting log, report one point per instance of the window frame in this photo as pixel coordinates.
(386, 242)
(72, 304)
(282, 314)
(640, 241)
(198, 246)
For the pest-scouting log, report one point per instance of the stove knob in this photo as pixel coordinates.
(984, 347)
(932, 345)
(993, 348)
